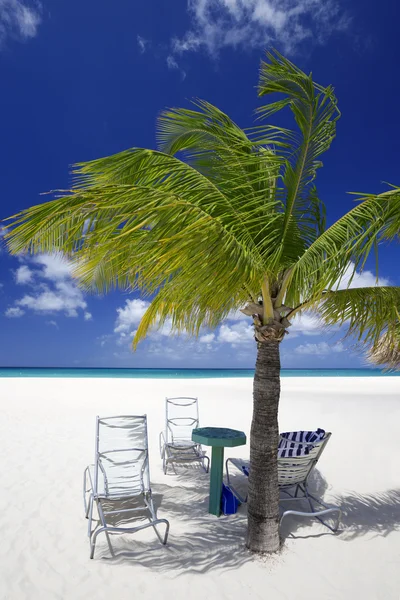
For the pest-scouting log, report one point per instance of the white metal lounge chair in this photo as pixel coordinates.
(293, 475)
(176, 445)
(120, 474)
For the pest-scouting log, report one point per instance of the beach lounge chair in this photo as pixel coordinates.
(176, 445)
(298, 453)
(120, 475)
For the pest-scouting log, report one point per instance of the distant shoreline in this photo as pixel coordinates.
(164, 373)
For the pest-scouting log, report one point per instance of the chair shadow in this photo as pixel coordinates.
(199, 542)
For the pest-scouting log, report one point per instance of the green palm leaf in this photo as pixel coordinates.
(350, 240)
(367, 312)
(316, 113)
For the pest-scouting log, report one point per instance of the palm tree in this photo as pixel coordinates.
(220, 219)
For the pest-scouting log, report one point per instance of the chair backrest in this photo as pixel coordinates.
(181, 417)
(121, 456)
(294, 470)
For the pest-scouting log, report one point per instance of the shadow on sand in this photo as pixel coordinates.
(200, 542)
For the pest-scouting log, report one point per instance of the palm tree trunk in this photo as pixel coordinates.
(263, 496)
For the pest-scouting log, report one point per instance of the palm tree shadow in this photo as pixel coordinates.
(198, 542)
(377, 513)
(362, 514)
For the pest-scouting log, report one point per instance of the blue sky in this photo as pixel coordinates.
(86, 79)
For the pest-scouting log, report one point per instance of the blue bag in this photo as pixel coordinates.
(229, 502)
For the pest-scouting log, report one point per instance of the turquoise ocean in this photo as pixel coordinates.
(184, 373)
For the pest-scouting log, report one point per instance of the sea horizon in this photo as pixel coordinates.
(181, 373)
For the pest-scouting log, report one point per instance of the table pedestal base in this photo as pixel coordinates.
(216, 474)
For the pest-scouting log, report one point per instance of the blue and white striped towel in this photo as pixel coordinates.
(295, 443)
(298, 443)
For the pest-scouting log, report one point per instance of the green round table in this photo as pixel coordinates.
(218, 438)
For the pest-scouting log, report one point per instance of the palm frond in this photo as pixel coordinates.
(367, 312)
(350, 240)
(170, 228)
(315, 111)
(386, 351)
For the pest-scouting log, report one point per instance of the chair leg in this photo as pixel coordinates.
(207, 468)
(88, 507)
(154, 524)
(108, 529)
(85, 491)
(93, 540)
(315, 514)
(90, 515)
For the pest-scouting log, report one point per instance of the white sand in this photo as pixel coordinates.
(47, 437)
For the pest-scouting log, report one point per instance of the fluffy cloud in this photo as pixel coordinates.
(321, 349)
(3, 232)
(14, 312)
(216, 24)
(129, 316)
(238, 333)
(142, 43)
(364, 279)
(208, 338)
(306, 324)
(52, 324)
(173, 65)
(237, 316)
(65, 297)
(19, 20)
(23, 275)
(52, 288)
(55, 266)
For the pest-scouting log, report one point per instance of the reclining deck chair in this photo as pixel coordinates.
(176, 445)
(120, 474)
(298, 453)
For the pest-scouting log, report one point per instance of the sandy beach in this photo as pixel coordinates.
(47, 438)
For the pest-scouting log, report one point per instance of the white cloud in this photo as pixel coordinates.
(216, 24)
(142, 43)
(104, 339)
(321, 349)
(55, 266)
(240, 332)
(129, 316)
(14, 312)
(19, 20)
(3, 232)
(364, 279)
(66, 298)
(207, 338)
(52, 323)
(171, 63)
(236, 315)
(53, 289)
(23, 275)
(307, 324)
